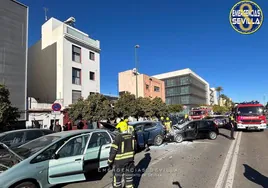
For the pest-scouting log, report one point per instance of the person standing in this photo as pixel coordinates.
(57, 127)
(121, 158)
(231, 122)
(80, 125)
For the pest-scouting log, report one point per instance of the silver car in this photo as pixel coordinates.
(54, 159)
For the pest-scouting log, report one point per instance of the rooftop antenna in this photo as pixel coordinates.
(46, 10)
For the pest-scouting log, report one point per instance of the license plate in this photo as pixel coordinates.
(253, 128)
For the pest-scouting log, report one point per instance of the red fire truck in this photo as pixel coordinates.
(200, 112)
(250, 115)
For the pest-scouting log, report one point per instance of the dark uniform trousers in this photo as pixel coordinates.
(122, 156)
(232, 129)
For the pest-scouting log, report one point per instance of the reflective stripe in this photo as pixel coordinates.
(122, 147)
(133, 144)
(114, 146)
(114, 181)
(124, 157)
(123, 154)
(129, 186)
(110, 160)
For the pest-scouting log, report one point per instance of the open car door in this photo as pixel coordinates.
(68, 162)
(191, 130)
(139, 130)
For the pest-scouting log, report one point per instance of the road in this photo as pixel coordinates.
(220, 163)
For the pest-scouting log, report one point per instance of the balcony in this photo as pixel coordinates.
(81, 37)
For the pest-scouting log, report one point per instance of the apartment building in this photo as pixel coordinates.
(213, 96)
(13, 53)
(185, 87)
(64, 65)
(147, 86)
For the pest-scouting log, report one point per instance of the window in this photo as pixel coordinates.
(149, 125)
(91, 93)
(156, 88)
(92, 56)
(76, 54)
(99, 139)
(37, 123)
(170, 82)
(31, 135)
(185, 99)
(76, 76)
(185, 90)
(75, 96)
(92, 75)
(14, 138)
(74, 147)
(184, 80)
(147, 86)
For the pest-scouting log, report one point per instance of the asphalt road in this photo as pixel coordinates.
(199, 164)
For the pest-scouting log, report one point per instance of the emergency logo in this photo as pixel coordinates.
(246, 17)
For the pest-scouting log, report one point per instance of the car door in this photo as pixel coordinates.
(202, 129)
(191, 130)
(67, 165)
(150, 132)
(139, 135)
(106, 143)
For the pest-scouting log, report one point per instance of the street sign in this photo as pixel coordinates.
(56, 107)
(55, 112)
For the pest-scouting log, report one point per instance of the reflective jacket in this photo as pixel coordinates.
(130, 129)
(123, 149)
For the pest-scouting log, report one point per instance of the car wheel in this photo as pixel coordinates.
(158, 140)
(27, 184)
(178, 138)
(212, 135)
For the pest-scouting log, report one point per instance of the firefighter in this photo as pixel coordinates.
(162, 120)
(122, 157)
(232, 121)
(186, 117)
(168, 124)
(130, 127)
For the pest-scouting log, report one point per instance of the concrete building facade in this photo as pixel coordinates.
(13, 53)
(185, 87)
(64, 65)
(147, 86)
(213, 96)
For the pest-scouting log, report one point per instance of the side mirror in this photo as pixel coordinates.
(55, 156)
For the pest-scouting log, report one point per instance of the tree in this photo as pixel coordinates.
(219, 89)
(8, 113)
(76, 110)
(144, 107)
(126, 105)
(159, 108)
(220, 109)
(174, 108)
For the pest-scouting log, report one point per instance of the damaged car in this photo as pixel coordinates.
(196, 129)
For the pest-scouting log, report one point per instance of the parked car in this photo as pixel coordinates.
(220, 120)
(150, 132)
(18, 137)
(195, 129)
(57, 158)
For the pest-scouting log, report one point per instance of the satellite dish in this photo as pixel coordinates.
(70, 21)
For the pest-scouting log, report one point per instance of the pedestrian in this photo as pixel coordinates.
(121, 158)
(57, 127)
(69, 126)
(231, 122)
(80, 125)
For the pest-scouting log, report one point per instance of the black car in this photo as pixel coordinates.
(220, 120)
(18, 137)
(194, 130)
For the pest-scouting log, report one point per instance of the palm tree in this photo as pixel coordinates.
(219, 89)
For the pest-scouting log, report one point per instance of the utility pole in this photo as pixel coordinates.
(136, 66)
(46, 10)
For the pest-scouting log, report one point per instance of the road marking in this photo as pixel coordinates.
(230, 178)
(225, 166)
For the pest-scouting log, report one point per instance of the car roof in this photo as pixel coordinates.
(75, 132)
(22, 130)
(141, 122)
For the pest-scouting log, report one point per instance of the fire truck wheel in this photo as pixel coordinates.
(212, 135)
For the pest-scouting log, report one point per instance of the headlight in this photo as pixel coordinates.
(262, 121)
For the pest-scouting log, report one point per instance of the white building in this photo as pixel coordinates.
(64, 65)
(41, 112)
(185, 87)
(213, 97)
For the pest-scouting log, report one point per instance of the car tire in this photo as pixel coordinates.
(158, 140)
(178, 138)
(212, 135)
(26, 184)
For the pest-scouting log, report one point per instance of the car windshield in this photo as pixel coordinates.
(250, 110)
(196, 113)
(34, 146)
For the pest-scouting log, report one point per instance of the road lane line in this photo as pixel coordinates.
(230, 177)
(224, 170)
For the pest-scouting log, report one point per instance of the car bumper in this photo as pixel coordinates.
(251, 126)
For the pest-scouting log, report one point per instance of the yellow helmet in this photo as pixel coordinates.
(126, 120)
(167, 118)
(162, 118)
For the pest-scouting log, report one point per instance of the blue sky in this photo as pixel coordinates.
(172, 34)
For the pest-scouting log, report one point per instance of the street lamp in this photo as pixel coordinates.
(136, 66)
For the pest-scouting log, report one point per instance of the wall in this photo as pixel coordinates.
(45, 117)
(42, 72)
(13, 52)
(151, 82)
